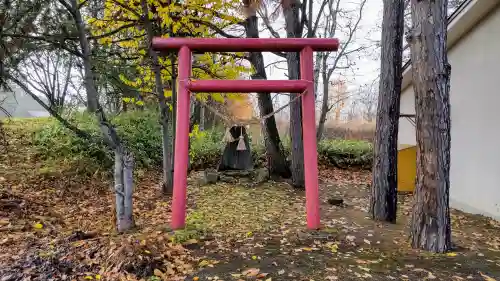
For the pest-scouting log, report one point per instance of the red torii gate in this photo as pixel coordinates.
(185, 47)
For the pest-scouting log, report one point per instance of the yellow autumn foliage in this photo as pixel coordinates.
(120, 28)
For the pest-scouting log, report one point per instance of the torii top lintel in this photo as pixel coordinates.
(246, 44)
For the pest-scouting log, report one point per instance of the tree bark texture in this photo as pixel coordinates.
(291, 11)
(384, 197)
(123, 157)
(173, 117)
(317, 69)
(430, 223)
(124, 184)
(276, 161)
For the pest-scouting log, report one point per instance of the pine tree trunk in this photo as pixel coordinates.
(276, 161)
(383, 200)
(291, 11)
(430, 223)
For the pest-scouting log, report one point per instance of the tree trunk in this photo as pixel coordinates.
(124, 186)
(324, 104)
(124, 183)
(291, 11)
(383, 200)
(171, 148)
(208, 116)
(197, 113)
(202, 118)
(317, 70)
(430, 223)
(167, 184)
(276, 161)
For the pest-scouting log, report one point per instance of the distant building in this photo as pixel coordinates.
(18, 104)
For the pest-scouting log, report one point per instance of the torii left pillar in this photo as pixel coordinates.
(185, 47)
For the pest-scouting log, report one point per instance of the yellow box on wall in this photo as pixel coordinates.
(407, 167)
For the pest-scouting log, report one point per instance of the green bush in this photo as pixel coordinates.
(141, 132)
(206, 148)
(346, 153)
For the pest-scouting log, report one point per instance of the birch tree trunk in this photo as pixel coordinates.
(430, 222)
(383, 199)
(124, 163)
(124, 183)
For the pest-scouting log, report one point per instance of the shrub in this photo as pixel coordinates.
(141, 132)
(345, 153)
(206, 148)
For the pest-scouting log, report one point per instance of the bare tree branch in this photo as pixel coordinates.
(263, 13)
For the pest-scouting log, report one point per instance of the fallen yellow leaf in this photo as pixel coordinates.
(203, 263)
(98, 277)
(190, 242)
(451, 254)
(196, 278)
(334, 248)
(79, 243)
(38, 225)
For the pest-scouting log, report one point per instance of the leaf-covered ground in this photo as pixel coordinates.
(59, 226)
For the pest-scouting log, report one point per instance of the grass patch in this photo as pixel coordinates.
(196, 228)
(56, 148)
(243, 211)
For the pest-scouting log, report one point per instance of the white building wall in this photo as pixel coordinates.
(475, 119)
(406, 129)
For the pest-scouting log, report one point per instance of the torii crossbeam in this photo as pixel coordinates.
(185, 47)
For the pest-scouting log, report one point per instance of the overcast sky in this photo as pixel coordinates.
(366, 67)
(366, 70)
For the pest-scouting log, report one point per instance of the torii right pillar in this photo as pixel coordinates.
(309, 137)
